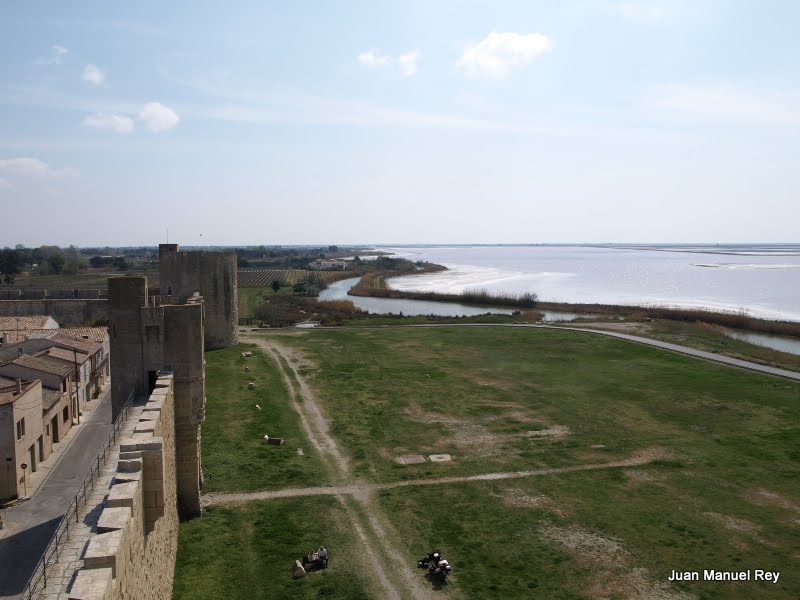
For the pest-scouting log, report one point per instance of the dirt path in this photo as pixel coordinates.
(362, 491)
(314, 423)
(375, 543)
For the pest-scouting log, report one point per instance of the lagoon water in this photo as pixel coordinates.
(762, 280)
(338, 291)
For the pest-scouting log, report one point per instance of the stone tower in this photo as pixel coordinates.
(213, 275)
(147, 337)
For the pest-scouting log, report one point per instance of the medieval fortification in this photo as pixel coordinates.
(181, 274)
(158, 344)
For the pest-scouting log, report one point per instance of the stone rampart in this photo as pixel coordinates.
(34, 294)
(68, 312)
(131, 555)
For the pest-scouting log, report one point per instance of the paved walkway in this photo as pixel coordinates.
(60, 574)
(31, 524)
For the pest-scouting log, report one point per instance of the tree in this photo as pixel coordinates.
(276, 285)
(56, 262)
(97, 261)
(50, 259)
(72, 261)
(11, 262)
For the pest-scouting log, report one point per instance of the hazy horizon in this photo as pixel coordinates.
(615, 121)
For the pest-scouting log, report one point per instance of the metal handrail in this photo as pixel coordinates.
(38, 579)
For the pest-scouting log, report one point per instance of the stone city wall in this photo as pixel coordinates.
(31, 294)
(68, 313)
(132, 554)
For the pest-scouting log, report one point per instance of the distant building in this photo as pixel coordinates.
(328, 264)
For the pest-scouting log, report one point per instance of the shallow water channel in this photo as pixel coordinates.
(385, 306)
(776, 342)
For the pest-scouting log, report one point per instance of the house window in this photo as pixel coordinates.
(21, 428)
(66, 414)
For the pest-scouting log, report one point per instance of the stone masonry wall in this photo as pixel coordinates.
(68, 313)
(131, 556)
(215, 276)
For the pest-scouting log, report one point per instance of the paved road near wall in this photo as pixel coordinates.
(30, 525)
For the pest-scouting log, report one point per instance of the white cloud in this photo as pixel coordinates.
(727, 103)
(5, 185)
(496, 55)
(156, 117)
(56, 54)
(372, 59)
(93, 75)
(33, 167)
(118, 123)
(408, 62)
(642, 12)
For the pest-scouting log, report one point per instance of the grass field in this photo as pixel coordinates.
(234, 459)
(247, 551)
(720, 489)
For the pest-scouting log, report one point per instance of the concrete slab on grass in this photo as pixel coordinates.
(440, 457)
(410, 459)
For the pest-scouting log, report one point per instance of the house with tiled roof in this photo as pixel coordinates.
(32, 420)
(28, 322)
(91, 356)
(55, 375)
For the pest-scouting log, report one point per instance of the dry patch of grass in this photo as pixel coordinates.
(519, 498)
(488, 435)
(613, 575)
(742, 529)
(762, 497)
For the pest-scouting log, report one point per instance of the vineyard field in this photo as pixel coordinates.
(258, 278)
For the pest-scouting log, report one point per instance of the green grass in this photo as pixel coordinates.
(661, 524)
(234, 458)
(396, 391)
(247, 552)
(727, 498)
(250, 298)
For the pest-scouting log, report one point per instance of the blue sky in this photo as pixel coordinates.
(405, 122)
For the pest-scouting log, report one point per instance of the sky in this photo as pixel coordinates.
(413, 122)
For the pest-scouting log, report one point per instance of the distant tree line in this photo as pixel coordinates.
(50, 260)
(119, 262)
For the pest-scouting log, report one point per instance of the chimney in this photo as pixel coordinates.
(19, 386)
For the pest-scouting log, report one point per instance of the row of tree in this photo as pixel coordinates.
(50, 260)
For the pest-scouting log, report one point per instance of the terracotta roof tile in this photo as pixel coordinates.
(45, 364)
(26, 322)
